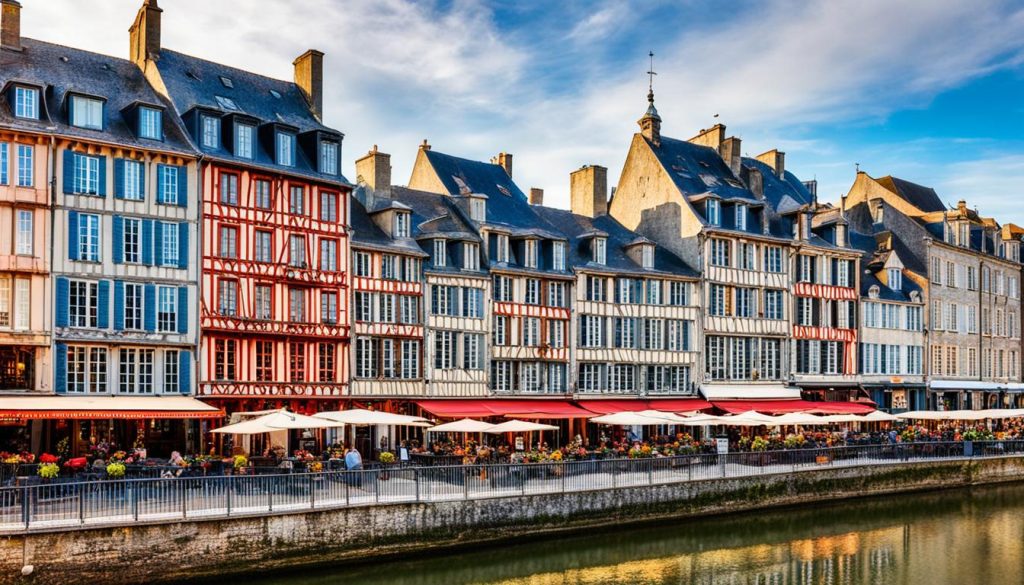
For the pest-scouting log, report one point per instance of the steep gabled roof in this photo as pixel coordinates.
(785, 194)
(366, 234)
(697, 170)
(924, 198)
(434, 215)
(867, 244)
(61, 71)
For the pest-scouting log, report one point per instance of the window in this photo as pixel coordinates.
(285, 149)
(329, 207)
(558, 256)
(297, 361)
(297, 305)
(328, 157)
(386, 313)
(972, 278)
(262, 305)
(150, 123)
(89, 237)
(24, 238)
(444, 350)
(714, 212)
(531, 331)
(328, 307)
(264, 361)
(228, 246)
(597, 288)
(4, 162)
(133, 308)
(227, 297)
(5, 302)
(678, 294)
(717, 295)
(556, 334)
(410, 269)
(132, 181)
(747, 256)
(654, 334)
(409, 309)
(297, 200)
(297, 251)
(806, 268)
(473, 351)
(86, 174)
(895, 277)
(720, 252)
(477, 209)
(556, 294)
(362, 261)
(805, 311)
(591, 331)
(622, 378)
(262, 246)
(530, 253)
(600, 251)
(211, 132)
(401, 224)
(224, 352)
(83, 303)
(410, 359)
(86, 112)
(26, 102)
(741, 216)
(501, 245)
(244, 140)
(327, 370)
(229, 189)
(936, 271)
(678, 332)
(625, 333)
(500, 330)
(440, 253)
(22, 304)
(261, 192)
(168, 194)
(169, 244)
(470, 256)
(951, 275)
(364, 306)
(366, 359)
(627, 290)
(591, 377)
(172, 375)
(26, 168)
(532, 292)
(745, 302)
(502, 288)
(773, 304)
(843, 273)
(135, 371)
(529, 377)
(328, 255)
(87, 369)
(389, 267)
(167, 309)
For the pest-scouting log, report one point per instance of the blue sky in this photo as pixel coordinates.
(930, 90)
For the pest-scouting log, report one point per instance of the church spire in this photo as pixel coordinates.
(650, 123)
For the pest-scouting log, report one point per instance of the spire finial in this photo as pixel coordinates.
(650, 79)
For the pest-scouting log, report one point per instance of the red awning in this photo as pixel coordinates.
(638, 404)
(785, 406)
(547, 409)
(104, 407)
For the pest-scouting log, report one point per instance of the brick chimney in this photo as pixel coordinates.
(536, 196)
(503, 160)
(588, 191)
(10, 25)
(374, 170)
(309, 76)
(731, 154)
(144, 34)
(712, 137)
(776, 160)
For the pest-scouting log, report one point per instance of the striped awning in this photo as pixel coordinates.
(50, 407)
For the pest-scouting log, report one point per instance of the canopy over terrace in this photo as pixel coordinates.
(612, 406)
(104, 407)
(790, 405)
(530, 409)
(362, 417)
(961, 414)
(276, 421)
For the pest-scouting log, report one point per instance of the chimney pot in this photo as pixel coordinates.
(309, 76)
(10, 25)
(504, 160)
(536, 196)
(588, 191)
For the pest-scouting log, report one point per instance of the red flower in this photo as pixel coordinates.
(47, 458)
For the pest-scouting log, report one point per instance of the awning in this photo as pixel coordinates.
(533, 409)
(638, 404)
(964, 385)
(786, 406)
(748, 391)
(104, 407)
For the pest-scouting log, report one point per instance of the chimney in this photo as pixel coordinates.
(10, 25)
(731, 153)
(309, 76)
(374, 170)
(712, 137)
(503, 160)
(588, 191)
(144, 34)
(536, 196)
(776, 160)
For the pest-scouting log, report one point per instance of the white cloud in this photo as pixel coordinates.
(995, 185)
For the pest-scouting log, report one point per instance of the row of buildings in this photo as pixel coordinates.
(181, 227)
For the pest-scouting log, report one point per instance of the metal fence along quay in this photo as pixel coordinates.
(69, 505)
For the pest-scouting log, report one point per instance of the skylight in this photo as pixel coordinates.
(227, 103)
(227, 82)
(275, 93)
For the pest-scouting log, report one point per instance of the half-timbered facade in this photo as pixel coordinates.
(275, 248)
(531, 283)
(636, 327)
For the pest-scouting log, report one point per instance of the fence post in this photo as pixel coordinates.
(650, 472)
(564, 473)
(135, 500)
(416, 481)
(376, 485)
(465, 484)
(348, 478)
(26, 505)
(81, 504)
(230, 488)
(270, 495)
(184, 500)
(312, 493)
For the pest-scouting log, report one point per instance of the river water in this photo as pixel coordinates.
(959, 537)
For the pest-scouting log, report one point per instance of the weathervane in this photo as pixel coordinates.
(650, 75)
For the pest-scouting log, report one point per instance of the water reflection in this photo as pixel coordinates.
(963, 536)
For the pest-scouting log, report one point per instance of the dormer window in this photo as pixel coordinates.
(244, 139)
(210, 128)
(841, 235)
(714, 212)
(150, 123)
(26, 102)
(440, 253)
(964, 234)
(895, 277)
(600, 251)
(401, 225)
(470, 256)
(647, 256)
(501, 254)
(285, 149)
(477, 209)
(558, 256)
(530, 254)
(741, 216)
(328, 157)
(86, 112)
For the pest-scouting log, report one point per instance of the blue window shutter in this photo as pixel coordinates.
(184, 371)
(149, 301)
(72, 235)
(159, 181)
(182, 186)
(60, 368)
(103, 300)
(118, 242)
(118, 305)
(158, 243)
(69, 172)
(62, 300)
(147, 242)
(182, 309)
(119, 178)
(142, 180)
(182, 245)
(103, 176)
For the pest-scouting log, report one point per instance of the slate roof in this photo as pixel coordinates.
(907, 234)
(366, 234)
(924, 198)
(697, 170)
(61, 70)
(195, 83)
(580, 228)
(866, 243)
(435, 215)
(786, 194)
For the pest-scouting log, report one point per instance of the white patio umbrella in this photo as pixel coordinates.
(668, 417)
(798, 418)
(841, 418)
(754, 415)
(276, 421)
(628, 418)
(1003, 412)
(742, 421)
(943, 415)
(466, 425)
(876, 416)
(519, 426)
(361, 417)
(699, 420)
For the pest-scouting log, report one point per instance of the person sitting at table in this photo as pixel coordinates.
(176, 459)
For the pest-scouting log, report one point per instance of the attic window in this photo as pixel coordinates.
(192, 75)
(600, 251)
(704, 164)
(733, 182)
(647, 256)
(275, 93)
(504, 191)
(227, 82)
(227, 103)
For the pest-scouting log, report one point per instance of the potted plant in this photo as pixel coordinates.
(386, 458)
(240, 463)
(115, 470)
(48, 468)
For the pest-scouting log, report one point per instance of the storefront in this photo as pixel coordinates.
(966, 395)
(897, 396)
